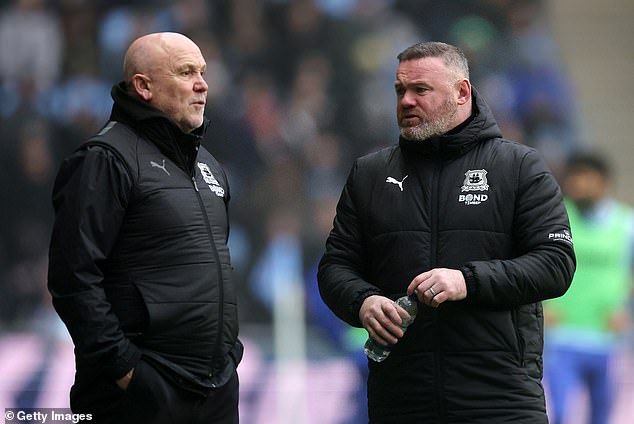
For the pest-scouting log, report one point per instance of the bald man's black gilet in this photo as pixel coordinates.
(168, 276)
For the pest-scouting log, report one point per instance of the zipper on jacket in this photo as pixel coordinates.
(434, 212)
(216, 349)
(433, 262)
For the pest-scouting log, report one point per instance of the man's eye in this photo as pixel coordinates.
(399, 91)
(421, 90)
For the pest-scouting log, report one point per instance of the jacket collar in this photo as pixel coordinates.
(478, 127)
(154, 125)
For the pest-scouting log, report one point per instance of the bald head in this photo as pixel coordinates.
(150, 52)
(166, 71)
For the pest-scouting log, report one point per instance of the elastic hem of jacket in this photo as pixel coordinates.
(125, 362)
(470, 279)
(355, 306)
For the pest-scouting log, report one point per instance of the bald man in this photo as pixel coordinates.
(140, 270)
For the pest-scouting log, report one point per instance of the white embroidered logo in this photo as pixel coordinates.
(475, 180)
(393, 180)
(156, 165)
(211, 181)
(473, 199)
(207, 175)
(564, 236)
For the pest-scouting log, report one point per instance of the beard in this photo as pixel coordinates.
(439, 123)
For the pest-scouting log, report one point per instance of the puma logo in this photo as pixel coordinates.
(156, 165)
(397, 182)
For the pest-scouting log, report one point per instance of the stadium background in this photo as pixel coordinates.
(297, 89)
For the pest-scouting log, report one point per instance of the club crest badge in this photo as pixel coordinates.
(475, 180)
(210, 180)
(208, 177)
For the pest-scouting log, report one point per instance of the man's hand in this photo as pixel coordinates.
(382, 318)
(124, 381)
(439, 285)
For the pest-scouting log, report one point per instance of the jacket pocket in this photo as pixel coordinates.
(148, 392)
(521, 344)
(138, 379)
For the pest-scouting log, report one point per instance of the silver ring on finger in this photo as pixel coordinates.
(433, 293)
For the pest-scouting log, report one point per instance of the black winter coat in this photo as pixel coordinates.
(467, 200)
(139, 263)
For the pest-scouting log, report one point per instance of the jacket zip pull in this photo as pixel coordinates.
(194, 181)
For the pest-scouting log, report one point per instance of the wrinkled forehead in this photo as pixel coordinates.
(423, 69)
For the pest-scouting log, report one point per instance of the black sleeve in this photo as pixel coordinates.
(341, 269)
(545, 263)
(90, 196)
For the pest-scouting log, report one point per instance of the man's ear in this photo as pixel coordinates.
(142, 86)
(464, 91)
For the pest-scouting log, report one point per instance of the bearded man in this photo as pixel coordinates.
(475, 225)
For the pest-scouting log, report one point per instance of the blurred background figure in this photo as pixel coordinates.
(30, 216)
(31, 51)
(585, 327)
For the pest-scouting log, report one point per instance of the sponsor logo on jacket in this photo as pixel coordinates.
(473, 199)
(393, 180)
(563, 235)
(161, 166)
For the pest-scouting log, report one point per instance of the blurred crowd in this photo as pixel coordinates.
(297, 89)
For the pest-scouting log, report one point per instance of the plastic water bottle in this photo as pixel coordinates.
(378, 352)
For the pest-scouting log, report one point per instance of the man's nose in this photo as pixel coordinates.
(407, 99)
(201, 84)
